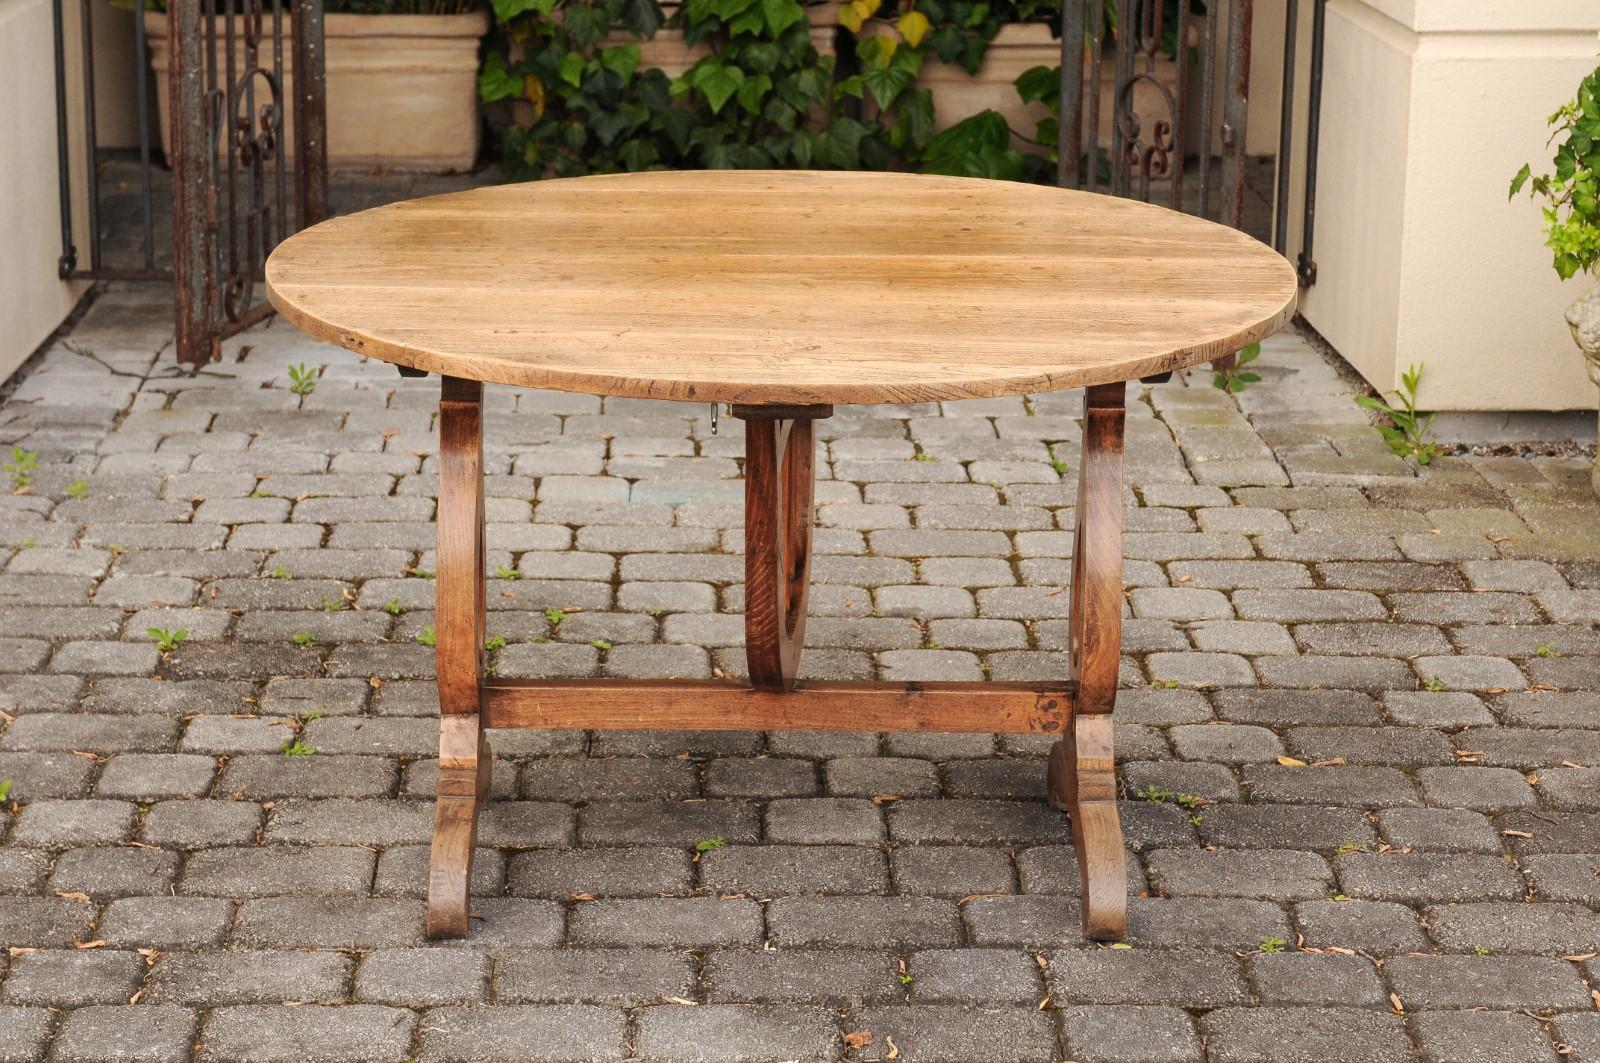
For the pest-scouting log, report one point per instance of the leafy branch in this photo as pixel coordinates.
(1571, 194)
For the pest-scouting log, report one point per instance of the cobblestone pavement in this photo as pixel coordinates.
(1360, 734)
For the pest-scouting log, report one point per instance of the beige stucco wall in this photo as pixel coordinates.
(32, 300)
(1429, 107)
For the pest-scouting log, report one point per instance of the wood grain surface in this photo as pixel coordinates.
(768, 287)
(811, 705)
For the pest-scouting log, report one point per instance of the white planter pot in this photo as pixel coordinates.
(401, 89)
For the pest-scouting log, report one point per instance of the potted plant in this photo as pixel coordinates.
(400, 81)
(1571, 199)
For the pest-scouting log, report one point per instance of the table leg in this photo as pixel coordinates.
(464, 756)
(779, 479)
(1083, 778)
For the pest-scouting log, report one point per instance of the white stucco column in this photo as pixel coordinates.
(1429, 107)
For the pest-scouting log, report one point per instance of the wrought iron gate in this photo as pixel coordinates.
(1151, 163)
(230, 64)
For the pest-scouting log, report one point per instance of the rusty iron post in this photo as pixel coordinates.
(191, 184)
(1236, 110)
(1069, 130)
(310, 109)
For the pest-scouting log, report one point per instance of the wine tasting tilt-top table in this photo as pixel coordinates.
(783, 294)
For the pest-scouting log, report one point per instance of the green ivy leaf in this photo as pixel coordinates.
(753, 91)
(585, 24)
(638, 155)
(1039, 83)
(780, 114)
(571, 69)
(608, 126)
(746, 25)
(495, 81)
(840, 145)
(781, 14)
(506, 10)
(642, 17)
(914, 122)
(1520, 180)
(802, 147)
(885, 84)
(948, 42)
(975, 147)
(621, 60)
(717, 82)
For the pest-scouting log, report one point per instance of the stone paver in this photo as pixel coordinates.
(1360, 722)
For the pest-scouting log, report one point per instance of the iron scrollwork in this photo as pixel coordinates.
(1165, 97)
(245, 105)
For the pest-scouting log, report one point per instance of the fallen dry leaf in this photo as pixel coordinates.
(97, 943)
(858, 1039)
(1291, 762)
(894, 1049)
(1394, 1001)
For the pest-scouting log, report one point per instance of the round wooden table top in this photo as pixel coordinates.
(779, 287)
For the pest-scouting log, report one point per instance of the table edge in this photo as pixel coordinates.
(521, 374)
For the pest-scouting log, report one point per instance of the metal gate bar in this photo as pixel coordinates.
(1305, 261)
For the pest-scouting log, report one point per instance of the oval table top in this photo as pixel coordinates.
(782, 287)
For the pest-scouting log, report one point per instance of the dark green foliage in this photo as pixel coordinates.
(574, 98)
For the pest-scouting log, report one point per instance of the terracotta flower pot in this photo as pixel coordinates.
(401, 89)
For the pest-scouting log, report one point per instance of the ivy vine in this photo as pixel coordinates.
(576, 98)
